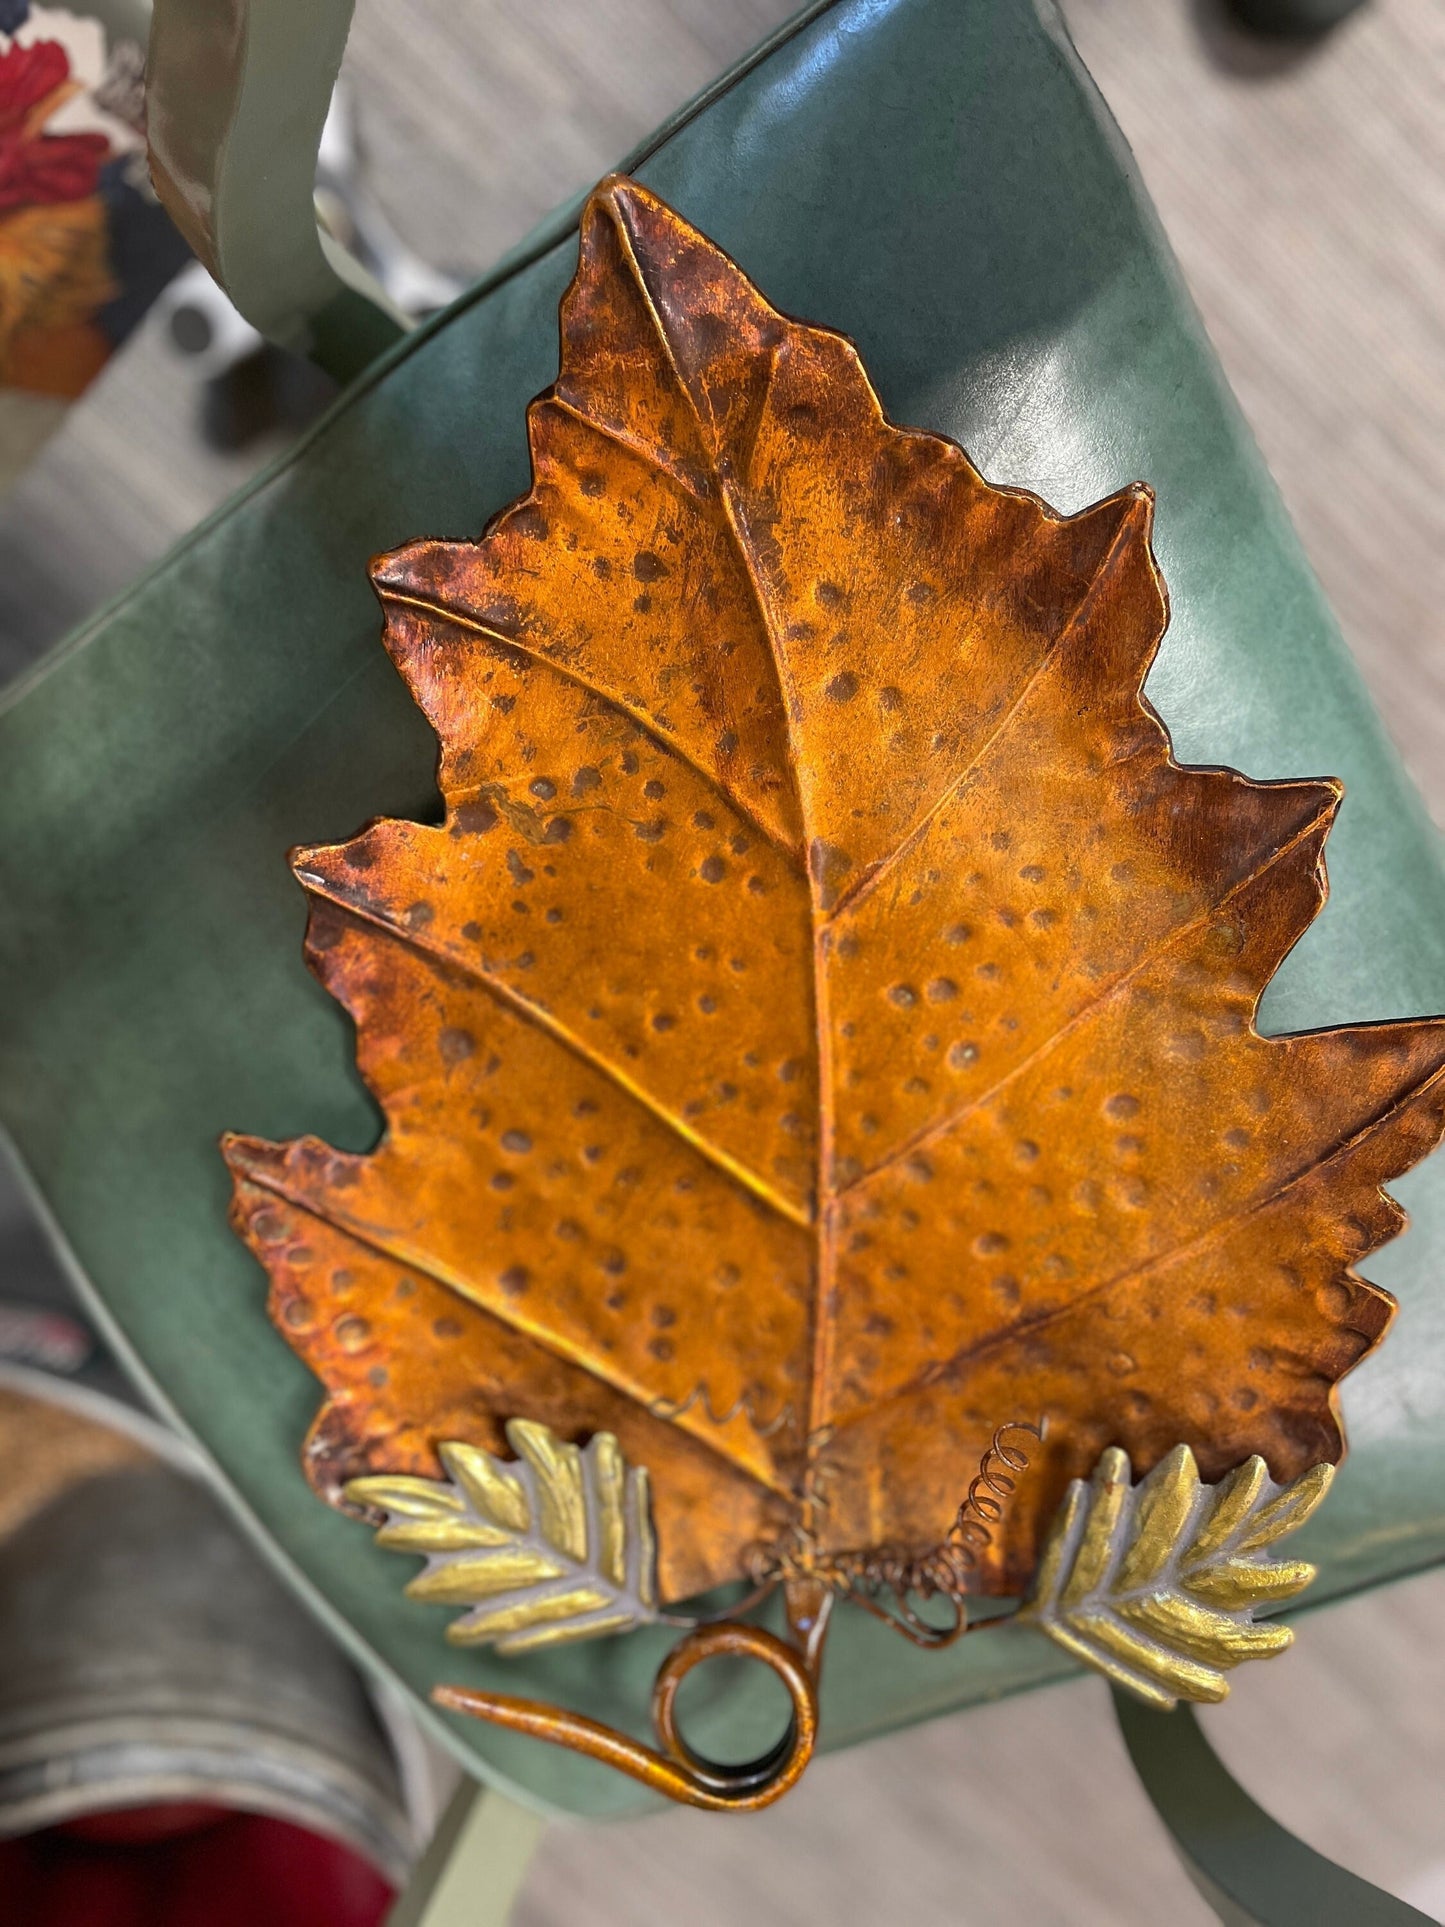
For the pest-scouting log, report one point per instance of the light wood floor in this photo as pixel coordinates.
(1305, 195)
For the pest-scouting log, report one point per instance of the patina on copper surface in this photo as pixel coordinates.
(824, 1024)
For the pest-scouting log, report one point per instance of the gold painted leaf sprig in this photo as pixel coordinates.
(1155, 1585)
(556, 1545)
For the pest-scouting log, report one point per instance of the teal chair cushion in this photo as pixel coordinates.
(939, 179)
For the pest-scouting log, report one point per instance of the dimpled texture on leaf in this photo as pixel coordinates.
(822, 1028)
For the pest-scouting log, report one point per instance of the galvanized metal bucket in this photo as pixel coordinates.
(148, 1657)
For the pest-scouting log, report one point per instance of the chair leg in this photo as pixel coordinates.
(1245, 1865)
(475, 1865)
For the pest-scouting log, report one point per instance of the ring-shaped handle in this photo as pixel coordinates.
(772, 1772)
(678, 1771)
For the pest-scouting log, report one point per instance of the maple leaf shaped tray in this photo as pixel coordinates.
(822, 1030)
(879, 168)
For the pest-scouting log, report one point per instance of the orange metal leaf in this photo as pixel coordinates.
(824, 1025)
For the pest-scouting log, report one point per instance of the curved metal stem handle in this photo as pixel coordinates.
(676, 1770)
(1247, 1867)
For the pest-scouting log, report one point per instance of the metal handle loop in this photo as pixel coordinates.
(677, 1770)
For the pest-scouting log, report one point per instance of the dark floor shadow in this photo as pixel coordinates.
(1248, 52)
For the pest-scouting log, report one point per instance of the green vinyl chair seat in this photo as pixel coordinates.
(940, 180)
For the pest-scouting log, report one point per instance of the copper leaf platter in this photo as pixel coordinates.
(822, 1030)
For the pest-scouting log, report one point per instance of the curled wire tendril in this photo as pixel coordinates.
(885, 1579)
(741, 1407)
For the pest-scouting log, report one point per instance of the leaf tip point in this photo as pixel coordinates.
(616, 191)
(395, 571)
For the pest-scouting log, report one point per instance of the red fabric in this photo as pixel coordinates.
(231, 1870)
(27, 75)
(252, 1870)
(91, 1891)
(37, 168)
(140, 1826)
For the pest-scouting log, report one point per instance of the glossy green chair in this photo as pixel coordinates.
(940, 180)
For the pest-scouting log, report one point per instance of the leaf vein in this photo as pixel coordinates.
(584, 1360)
(644, 452)
(522, 1007)
(444, 612)
(870, 880)
(930, 1133)
(1161, 1260)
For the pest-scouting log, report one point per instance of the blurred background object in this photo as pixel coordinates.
(179, 1740)
(85, 247)
(252, 388)
(1292, 19)
(1301, 179)
(157, 1681)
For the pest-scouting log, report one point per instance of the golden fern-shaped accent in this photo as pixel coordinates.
(1155, 1585)
(556, 1545)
